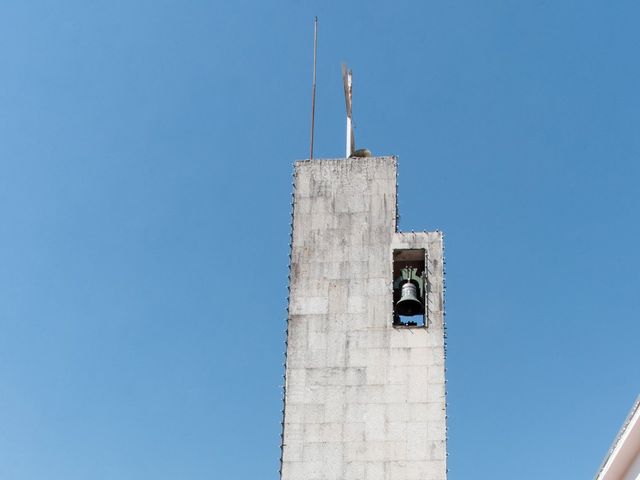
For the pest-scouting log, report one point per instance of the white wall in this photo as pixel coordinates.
(634, 470)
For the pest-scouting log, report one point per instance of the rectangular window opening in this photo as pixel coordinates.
(409, 288)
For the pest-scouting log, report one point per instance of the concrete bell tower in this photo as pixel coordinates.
(364, 394)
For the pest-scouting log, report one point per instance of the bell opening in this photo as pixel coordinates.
(409, 288)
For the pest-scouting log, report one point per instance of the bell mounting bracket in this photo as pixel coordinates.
(410, 274)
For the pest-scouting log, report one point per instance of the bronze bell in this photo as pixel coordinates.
(409, 305)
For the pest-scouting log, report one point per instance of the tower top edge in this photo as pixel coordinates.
(350, 159)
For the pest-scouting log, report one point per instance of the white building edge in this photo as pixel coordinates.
(623, 460)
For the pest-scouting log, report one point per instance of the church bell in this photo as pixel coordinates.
(409, 304)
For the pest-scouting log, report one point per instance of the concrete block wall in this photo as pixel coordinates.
(364, 400)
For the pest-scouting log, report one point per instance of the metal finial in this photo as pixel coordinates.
(313, 86)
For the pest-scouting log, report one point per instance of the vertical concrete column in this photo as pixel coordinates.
(364, 400)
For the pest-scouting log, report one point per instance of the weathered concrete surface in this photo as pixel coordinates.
(363, 400)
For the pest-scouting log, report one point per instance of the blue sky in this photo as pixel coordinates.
(146, 151)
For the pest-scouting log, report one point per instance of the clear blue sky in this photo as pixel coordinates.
(146, 151)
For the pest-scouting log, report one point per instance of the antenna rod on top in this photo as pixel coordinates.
(313, 87)
(347, 80)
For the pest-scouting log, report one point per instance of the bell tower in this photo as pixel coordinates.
(364, 395)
